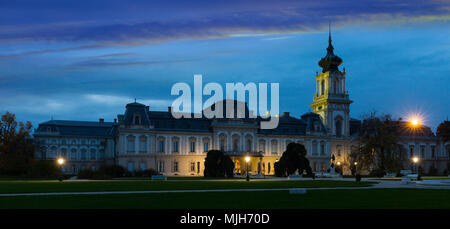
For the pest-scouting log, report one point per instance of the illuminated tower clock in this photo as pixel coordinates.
(331, 100)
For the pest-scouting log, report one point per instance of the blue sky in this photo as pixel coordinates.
(83, 60)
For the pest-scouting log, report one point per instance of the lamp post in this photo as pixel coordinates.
(415, 161)
(247, 159)
(60, 162)
(339, 166)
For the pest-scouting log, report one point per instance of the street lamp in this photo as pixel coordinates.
(60, 162)
(415, 161)
(247, 159)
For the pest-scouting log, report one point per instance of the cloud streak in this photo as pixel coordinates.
(198, 22)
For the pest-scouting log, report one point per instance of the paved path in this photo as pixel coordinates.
(381, 184)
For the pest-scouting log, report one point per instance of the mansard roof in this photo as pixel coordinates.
(163, 120)
(76, 128)
(133, 109)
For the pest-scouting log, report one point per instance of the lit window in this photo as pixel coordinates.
(175, 166)
(192, 166)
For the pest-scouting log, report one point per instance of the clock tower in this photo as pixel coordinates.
(331, 100)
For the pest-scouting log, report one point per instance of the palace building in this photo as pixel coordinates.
(141, 138)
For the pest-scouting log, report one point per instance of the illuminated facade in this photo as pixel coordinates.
(141, 139)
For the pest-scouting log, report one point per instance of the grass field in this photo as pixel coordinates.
(322, 199)
(136, 185)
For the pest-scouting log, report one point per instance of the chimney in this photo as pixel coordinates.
(169, 109)
(101, 120)
(115, 120)
(285, 114)
(147, 108)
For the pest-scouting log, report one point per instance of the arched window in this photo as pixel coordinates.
(83, 154)
(335, 87)
(161, 144)
(322, 148)
(237, 167)
(53, 152)
(274, 146)
(93, 154)
(236, 142)
(314, 148)
(222, 142)
(262, 146)
(222, 145)
(64, 152)
(235, 145)
(137, 120)
(176, 144)
(101, 154)
(192, 144)
(249, 145)
(338, 125)
(322, 87)
(143, 144)
(205, 145)
(73, 154)
(131, 143)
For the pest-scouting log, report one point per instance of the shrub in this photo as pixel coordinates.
(218, 165)
(85, 174)
(432, 171)
(41, 168)
(150, 172)
(358, 177)
(111, 171)
(377, 173)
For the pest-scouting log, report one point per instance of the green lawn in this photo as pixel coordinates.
(341, 199)
(136, 185)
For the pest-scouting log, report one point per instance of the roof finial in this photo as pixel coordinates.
(329, 33)
(134, 99)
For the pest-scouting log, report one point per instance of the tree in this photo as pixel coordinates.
(293, 160)
(16, 147)
(443, 131)
(378, 149)
(217, 164)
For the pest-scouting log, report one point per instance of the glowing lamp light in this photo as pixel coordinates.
(247, 159)
(60, 161)
(415, 159)
(415, 122)
(356, 163)
(338, 163)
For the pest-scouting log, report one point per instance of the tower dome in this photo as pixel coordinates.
(330, 62)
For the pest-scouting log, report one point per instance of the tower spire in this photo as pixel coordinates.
(329, 34)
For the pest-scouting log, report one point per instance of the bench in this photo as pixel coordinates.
(295, 176)
(412, 176)
(405, 172)
(390, 175)
(159, 177)
(297, 191)
(323, 175)
(408, 178)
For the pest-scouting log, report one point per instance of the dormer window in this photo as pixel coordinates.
(137, 120)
